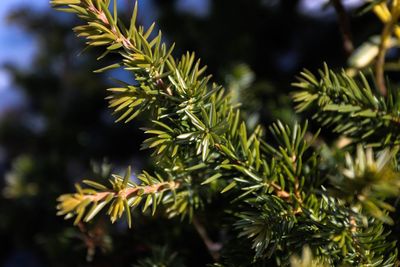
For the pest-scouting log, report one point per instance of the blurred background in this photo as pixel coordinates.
(55, 128)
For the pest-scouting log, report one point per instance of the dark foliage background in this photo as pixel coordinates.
(63, 130)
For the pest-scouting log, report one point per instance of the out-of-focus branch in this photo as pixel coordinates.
(344, 25)
(212, 247)
(383, 47)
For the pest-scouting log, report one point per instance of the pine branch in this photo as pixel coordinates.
(188, 111)
(352, 106)
(121, 197)
(201, 143)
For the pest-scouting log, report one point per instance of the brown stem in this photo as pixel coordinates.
(88, 240)
(150, 189)
(212, 247)
(279, 191)
(379, 68)
(127, 44)
(383, 46)
(353, 234)
(344, 25)
(92, 238)
(127, 192)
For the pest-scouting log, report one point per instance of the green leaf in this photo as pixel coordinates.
(95, 185)
(110, 67)
(128, 213)
(196, 121)
(212, 178)
(366, 113)
(147, 203)
(96, 208)
(205, 145)
(127, 176)
(229, 187)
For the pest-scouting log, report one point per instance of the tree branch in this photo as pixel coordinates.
(383, 47)
(212, 247)
(344, 25)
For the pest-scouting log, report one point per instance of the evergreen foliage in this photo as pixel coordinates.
(287, 191)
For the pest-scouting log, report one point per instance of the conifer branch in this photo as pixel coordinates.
(123, 196)
(351, 106)
(344, 25)
(186, 95)
(387, 31)
(201, 143)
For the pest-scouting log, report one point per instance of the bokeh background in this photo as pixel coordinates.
(55, 128)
